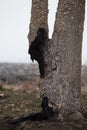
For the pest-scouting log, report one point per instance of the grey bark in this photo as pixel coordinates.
(62, 83)
(39, 18)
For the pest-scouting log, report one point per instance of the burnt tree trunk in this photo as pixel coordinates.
(62, 83)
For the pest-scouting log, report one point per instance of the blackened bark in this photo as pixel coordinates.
(62, 83)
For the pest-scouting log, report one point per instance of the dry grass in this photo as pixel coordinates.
(23, 101)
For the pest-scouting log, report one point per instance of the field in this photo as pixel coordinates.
(21, 99)
(16, 103)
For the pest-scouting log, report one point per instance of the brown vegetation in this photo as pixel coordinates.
(23, 99)
(18, 103)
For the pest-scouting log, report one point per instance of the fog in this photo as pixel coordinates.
(14, 28)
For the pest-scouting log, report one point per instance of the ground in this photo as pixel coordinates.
(15, 102)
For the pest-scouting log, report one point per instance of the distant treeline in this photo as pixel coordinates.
(84, 74)
(16, 73)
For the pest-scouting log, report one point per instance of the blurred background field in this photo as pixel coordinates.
(19, 95)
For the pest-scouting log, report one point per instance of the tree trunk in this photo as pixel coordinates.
(39, 17)
(62, 82)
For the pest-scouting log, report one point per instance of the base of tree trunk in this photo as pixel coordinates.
(33, 117)
(48, 114)
(74, 116)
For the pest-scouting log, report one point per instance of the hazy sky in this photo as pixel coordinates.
(14, 27)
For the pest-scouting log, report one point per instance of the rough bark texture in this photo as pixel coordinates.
(63, 57)
(39, 17)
